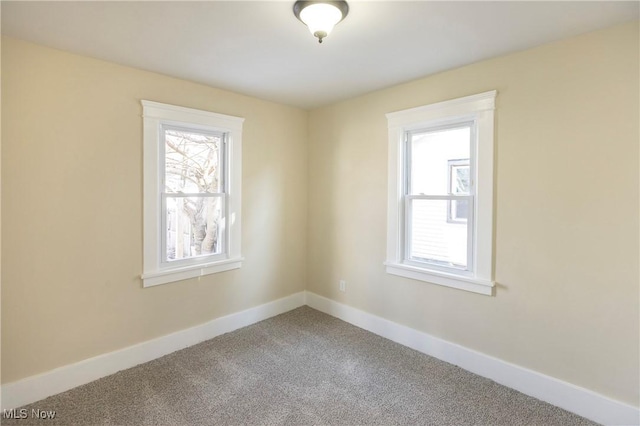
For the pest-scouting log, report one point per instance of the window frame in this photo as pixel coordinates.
(156, 118)
(478, 109)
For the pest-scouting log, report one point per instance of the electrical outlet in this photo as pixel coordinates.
(343, 286)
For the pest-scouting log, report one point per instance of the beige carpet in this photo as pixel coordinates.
(299, 368)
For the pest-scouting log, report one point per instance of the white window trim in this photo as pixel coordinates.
(154, 115)
(479, 108)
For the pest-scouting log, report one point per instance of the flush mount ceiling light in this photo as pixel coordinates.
(320, 16)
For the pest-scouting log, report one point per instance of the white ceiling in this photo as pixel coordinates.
(261, 49)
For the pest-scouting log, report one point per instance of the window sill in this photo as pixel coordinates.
(475, 285)
(176, 274)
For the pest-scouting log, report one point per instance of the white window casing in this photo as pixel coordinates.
(478, 109)
(157, 116)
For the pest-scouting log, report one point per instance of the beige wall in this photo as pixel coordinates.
(566, 259)
(72, 209)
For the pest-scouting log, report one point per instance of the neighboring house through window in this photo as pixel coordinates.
(458, 184)
(440, 201)
(192, 162)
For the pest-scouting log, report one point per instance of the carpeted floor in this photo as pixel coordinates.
(299, 368)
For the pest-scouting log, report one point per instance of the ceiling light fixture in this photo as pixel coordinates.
(320, 16)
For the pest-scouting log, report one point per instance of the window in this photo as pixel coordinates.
(440, 201)
(192, 172)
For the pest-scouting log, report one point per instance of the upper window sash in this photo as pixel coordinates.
(222, 165)
(450, 125)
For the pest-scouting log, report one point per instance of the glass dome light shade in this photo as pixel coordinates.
(320, 18)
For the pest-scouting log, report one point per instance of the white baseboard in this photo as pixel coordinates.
(572, 398)
(35, 388)
(578, 400)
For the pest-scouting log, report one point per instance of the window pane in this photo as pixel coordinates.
(459, 177)
(433, 237)
(192, 161)
(458, 210)
(193, 226)
(459, 184)
(436, 157)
